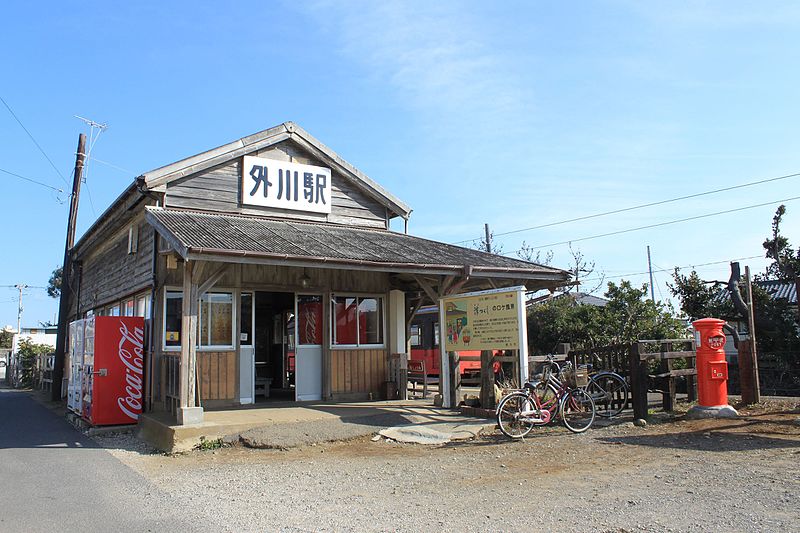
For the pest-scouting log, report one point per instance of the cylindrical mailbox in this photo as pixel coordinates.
(712, 369)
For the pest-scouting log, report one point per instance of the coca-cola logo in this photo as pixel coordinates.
(131, 353)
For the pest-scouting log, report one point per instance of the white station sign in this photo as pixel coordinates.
(271, 183)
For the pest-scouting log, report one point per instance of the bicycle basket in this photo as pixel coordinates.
(575, 378)
(581, 376)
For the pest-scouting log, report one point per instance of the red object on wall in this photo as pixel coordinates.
(712, 369)
(113, 383)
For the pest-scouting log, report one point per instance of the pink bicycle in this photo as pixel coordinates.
(539, 403)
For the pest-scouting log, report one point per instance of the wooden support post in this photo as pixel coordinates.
(668, 396)
(691, 384)
(189, 412)
(638, 373)
(487, 380)
(751, 323)
(455, 380)
(745, 360)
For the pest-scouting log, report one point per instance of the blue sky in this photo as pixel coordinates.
(515, 114)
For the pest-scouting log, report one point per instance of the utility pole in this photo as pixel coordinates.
(488, 238)
(66, 270)
(20, 288)
(650, 269)
(751, 325)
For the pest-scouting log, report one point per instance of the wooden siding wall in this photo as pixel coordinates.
(358, 371)
(289, 279)
(110, 273)
(217, 375)
(217, 189)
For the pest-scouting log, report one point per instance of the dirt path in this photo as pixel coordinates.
(708, 475)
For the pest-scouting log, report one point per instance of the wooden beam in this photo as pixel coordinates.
(427, 288)
(445, 285)
(212, 280)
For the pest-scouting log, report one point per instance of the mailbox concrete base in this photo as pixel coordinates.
(719, 411)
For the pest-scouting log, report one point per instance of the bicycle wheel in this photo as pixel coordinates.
(609, 392)
(512, 417)
(577, 410)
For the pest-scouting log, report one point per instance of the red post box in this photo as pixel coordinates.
(712, 369)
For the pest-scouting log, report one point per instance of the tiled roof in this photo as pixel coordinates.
(196, 234)
(780, 290)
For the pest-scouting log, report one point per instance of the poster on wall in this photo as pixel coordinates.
(488, 320)
(272, 183)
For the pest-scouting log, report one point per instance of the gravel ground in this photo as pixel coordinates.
(673, 475)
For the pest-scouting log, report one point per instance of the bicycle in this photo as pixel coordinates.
(609, 391)
(539, 403)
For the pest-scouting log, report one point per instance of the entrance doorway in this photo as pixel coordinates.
(273, 369)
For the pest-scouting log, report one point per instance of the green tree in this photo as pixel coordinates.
(698, 298)
(54, 283)
(628, 316)
(6, 338)
(28, 353)
(785, 261)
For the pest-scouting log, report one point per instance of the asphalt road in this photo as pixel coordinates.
(53, 478)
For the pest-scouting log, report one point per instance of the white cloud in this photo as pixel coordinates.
(437, 55)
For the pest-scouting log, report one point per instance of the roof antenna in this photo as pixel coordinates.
(95, 129)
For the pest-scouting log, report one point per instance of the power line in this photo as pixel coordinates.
(669, 222)
(34, 140)
(678, 267)
(31, 180)
(640, 206)
(126, 171)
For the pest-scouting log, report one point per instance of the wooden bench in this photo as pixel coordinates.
(418, 373)
(262, 386)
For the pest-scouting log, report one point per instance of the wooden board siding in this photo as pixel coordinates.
(217, 189)
(358, 371)
(111, 273)
(217, 375)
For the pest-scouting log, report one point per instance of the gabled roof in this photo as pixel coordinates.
(234, 238)
(157, 179)
(580, 298)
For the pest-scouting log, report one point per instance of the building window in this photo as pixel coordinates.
(309, 319)
(133, 239)
(357, 320)
(173, 317)
(416, 338)
(143, 306)
(216, 319)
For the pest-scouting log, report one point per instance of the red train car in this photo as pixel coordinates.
(425, 344)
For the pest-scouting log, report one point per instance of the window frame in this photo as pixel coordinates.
(217, 347)
(199, 347)
(332, 322)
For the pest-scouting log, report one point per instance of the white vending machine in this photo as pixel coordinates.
(75, 358)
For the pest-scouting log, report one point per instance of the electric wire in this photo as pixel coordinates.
(659, 224)
(694, 266)
(640, 206)
(31, 180)
(126, 171)
(34, 140)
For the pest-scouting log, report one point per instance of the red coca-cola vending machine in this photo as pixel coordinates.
(113, 371)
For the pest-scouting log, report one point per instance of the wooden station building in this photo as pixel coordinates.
(266, 269)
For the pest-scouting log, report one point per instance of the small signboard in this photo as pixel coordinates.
(487, 320)
(283, 185)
